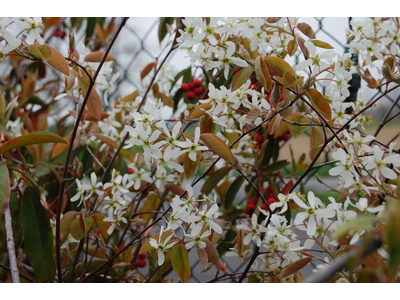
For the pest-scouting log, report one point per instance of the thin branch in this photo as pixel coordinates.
(11, 246)
(340, 262)
(69, 153)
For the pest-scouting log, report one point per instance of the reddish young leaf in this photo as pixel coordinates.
(203, 258)
(212, 252)
(263, 74)
(97, 56)
(321, 44)
(176, 189)
(189, 165)
(279, 65)
(306, 29)
(147, 69)
(180, 262)
(207, 124)
(199, 111)
(58, 61)
(292, 47)
(218, 146)
(320, 103)
(295, 266)
(98, 222)
(106, 140)
(151, 204)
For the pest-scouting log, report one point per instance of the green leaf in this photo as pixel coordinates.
(316, 141)
(297, 117)
(232, 191)
(391, 234)
(321, 44)
(4, 187)
(39, 137)
(219, 147)
(75, 229)
(162, 27)
(180, 262)
(7, 113)
(241, 78)
(361, 222)
(38, 235)
(100, 224)
(151, 204)
(65, 222)
(279, 65)
(214, 179)
(276, 166)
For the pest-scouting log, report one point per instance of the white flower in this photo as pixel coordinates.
(193, 147)
(114, 219)
(161, 247)
(226, 58)
(254, 231)
(33, 26)
(196, 238)
(311, 213)
(82, 188)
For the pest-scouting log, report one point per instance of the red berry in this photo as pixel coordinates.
(198, 91)
(130, 171)
(264, 207)
(185, 86)
(141, 263)
(250, 209)
(190, 95)
(286, 136)
(260, 138)
(142, 256)
(190, 86)
(236, 70)
(271, 200)
(197, 83)
(57, 32)
(63, 34)
(269, 189)
(252, 201)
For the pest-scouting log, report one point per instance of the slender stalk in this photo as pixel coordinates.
(11, 246)
(69, 152)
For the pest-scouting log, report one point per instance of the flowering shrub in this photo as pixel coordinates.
(107, 193)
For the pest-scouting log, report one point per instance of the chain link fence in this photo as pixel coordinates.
(138, 45)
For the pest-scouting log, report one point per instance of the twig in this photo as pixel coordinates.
(73, 136)
(340, 263)
(11, 246)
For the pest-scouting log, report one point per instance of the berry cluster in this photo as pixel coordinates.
(60, 33)
(140, 261)
(192, 88)
(252, 203)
